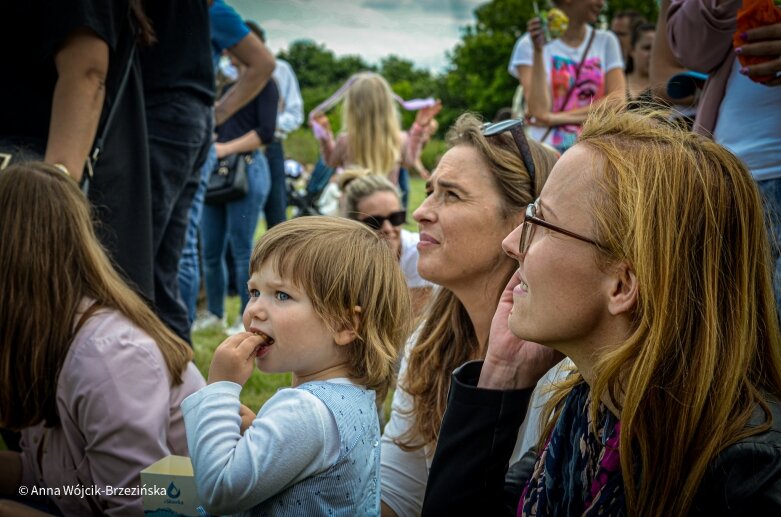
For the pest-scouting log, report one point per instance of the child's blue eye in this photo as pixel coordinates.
(254, 293)
(281, 296)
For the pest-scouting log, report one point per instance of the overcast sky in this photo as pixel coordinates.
(418, 30)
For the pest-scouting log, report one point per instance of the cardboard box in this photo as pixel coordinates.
(170, 488)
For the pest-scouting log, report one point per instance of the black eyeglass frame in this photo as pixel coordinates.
(530, 220)
(375, 222)
(515, 127)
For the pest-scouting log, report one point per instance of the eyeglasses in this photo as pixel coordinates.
(530, 221)
(515, 127)
(375, 222)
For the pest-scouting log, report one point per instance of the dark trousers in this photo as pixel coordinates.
(180, 128)
(276, 203)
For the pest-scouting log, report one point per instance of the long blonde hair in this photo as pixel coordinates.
(705, 350)
(50, 261)
(448, 337)
(372, 125)
(341, 264)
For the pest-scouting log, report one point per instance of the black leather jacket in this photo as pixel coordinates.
(479, 430)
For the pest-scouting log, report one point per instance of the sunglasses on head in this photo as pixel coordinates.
(375, 222)
(515, 127)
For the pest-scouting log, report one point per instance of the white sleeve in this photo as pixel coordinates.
(292, 438)
(522, 55)
(403, 474)
(292, 116)
(612, 51)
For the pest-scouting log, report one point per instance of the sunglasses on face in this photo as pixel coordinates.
(515, 127)
(531, 221)
(375, 222)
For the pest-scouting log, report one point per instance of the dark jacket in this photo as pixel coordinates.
(479, 430)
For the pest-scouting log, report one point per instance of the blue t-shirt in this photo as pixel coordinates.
(227, 28)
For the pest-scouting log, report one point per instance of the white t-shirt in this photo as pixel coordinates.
(749, 124)
(561, 62)
(409, 260)
(229, 467)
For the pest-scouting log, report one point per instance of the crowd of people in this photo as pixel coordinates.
(585, 323)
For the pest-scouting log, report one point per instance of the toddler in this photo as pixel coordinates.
(328, 302)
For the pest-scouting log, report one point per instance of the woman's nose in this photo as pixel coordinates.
(511, 244)
(423, 212)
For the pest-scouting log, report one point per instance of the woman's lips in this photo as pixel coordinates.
(522, 289)
(426, 241)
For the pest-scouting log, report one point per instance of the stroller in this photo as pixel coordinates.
(304, 199)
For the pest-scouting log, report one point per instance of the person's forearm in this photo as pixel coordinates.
(245, 89)
(77, 101)
(538, 98)
(663, 63)
(246, 143)
(260, 65)
(575, 116)
(10, 473)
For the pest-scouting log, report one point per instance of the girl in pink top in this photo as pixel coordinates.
(88, 374)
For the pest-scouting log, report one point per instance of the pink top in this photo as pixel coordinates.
(119, 415)
(700, 36)
(337, 154)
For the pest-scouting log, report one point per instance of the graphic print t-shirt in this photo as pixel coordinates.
(561, 63)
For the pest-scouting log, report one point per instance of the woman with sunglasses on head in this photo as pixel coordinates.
(475, 196)
(375, 201)
(646, 261)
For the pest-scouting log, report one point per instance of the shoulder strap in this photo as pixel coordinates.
(97, 146)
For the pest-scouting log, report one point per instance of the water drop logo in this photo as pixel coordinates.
(173, 492)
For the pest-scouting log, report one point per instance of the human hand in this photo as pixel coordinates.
(234, 359)
(536, 32)
(762, 42)
(511, 362)
(424, 116)
(322, 120)
(247, 417)
(541, 120)
(221, 149)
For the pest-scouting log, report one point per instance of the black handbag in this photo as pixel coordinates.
(228, 180)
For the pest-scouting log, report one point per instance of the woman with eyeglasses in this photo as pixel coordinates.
(475, 196)
(645, 260)
(373, 200)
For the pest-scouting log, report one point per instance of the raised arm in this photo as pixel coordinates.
(700, 32)
(82, 66)
(664, 65)
(534, 78)
(260, 65)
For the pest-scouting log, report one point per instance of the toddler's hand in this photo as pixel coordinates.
(234, 359)
(247, 417)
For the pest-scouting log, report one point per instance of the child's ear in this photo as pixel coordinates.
(348, 335)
